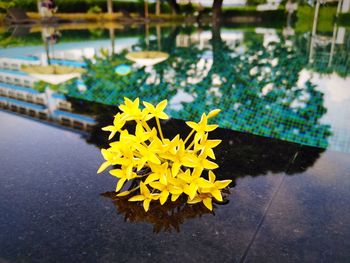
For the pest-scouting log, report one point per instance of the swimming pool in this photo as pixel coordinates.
(266, 81)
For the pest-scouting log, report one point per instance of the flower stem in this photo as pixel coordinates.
(159, 128)
(188, 136)
(146, 126)
(189, 146)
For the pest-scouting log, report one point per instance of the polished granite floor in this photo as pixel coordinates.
(288, 203)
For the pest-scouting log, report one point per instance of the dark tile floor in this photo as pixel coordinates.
(289, 204)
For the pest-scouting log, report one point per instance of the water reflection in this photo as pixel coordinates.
(164, 218)
(253, 76)
(257, 89)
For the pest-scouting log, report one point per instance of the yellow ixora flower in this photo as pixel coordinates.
(162, 169)
(145, 196)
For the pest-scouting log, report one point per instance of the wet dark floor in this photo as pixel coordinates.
(289, 203)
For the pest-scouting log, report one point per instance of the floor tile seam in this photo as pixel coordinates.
(262, 219)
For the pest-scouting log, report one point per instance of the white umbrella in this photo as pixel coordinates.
(147, 58)
(53, 74)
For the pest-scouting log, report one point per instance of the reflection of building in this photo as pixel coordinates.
(345, 5)
(17, 94)
(15, 63)
(317, 40)
(16, 77)
(202, 39)
(269, 5)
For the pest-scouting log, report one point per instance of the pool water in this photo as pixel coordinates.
(266, 81)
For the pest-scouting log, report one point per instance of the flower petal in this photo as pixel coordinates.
(161, 105)
(191, 190)
(207, 202)
(217, 194)
(222, 184)
(213, 113)
(125, 193)
(163, 197)
(120, 184)
(146, 203)
(103, 167)
(152, 177)
(117, 173)
(136, 198)
(174, 197)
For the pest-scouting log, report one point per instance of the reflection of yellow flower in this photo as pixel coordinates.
(169, 168)
(166, 217)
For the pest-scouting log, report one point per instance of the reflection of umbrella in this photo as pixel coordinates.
(53, 74)
(147, 58)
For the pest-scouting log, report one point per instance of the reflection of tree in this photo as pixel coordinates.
(107, 87)
(151, 84)
(256, 89)
(217, 5)
(258, 93)
(182, 62)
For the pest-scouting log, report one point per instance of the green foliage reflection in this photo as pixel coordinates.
(257, 90)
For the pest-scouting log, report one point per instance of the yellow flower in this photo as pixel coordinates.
(213, 113)
(167, 185)
(176, 155)
(127, 162)
(131, 110)
(157, 111)
(206, 146)
(193, 183)
(123, 177)
(110, 157)
(145, 196)
(140, 135)
(170, 168)
(157, 172)
(118, 124)
(171, 146)
(201, 127)
(163, 188)
(147, 155)
(205, 198)
(215, 187)
(200, 162)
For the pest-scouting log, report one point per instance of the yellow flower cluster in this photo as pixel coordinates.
(175, 166)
